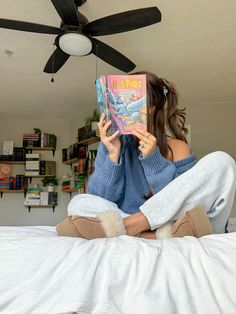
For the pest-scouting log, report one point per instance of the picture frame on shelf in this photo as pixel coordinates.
(8, 147)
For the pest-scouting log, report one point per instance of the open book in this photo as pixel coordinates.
(123, 99)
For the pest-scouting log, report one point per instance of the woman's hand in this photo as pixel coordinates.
(147, 143)
(112, 142)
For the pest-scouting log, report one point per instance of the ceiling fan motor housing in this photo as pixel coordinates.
(82, 20)
(79, 2)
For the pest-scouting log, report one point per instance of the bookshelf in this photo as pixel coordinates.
(41, 206)
(71, 161)
(13, 162)
(38, 176)
(86, 142)
(22, 187)
(20, 183)
(12, 191)
(31, 149)
(70, 191)
(90, 141)
(42, 166)
(37, 167)
(83, 170)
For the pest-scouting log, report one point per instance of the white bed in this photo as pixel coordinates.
(43, 273)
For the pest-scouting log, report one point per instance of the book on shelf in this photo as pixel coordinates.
(76, 182)
(4, 183)
(52, 198)
(18, 182)
(18, 155)
(50, 168)
(31, 140)
(44, 198)
(32, 199)
(39, 140)
(41, 198)
(74, 151)
(48, 140)
(66, 184)
(32, 165)
(83, 134)
(64, 154)
(47, 168)
(91, 161)
(123, 99)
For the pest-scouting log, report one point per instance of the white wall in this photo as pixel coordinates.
(12, 210)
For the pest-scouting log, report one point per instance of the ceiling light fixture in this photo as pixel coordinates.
(75, 44)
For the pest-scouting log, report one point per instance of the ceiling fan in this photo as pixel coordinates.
(75, 35)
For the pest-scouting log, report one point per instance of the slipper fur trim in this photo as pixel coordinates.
(165, 231)
(112, 223)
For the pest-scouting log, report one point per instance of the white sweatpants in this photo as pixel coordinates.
(210, 183)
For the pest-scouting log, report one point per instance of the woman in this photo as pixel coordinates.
(143, 181)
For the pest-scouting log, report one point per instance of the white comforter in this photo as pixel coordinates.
(43, 273)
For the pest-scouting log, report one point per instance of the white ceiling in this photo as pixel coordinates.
(194, 46)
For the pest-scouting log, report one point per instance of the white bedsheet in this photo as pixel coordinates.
(43, 273)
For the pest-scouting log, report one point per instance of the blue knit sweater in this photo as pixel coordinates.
(127, 182)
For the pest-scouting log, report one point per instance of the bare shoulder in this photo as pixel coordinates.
(179, 148)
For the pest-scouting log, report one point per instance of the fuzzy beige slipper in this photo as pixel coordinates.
(194, 222)
(106, 225)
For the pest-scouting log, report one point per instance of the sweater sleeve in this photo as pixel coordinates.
(107, 179)
(160, 171)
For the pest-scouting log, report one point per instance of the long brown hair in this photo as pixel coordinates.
(163, 111)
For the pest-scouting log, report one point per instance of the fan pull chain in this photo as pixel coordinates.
(96, 64)
(53, 50)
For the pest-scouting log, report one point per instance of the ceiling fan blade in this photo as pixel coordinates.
(29, 27)
(111, 56)
(123, 22)
(56, 61)
(67, 11)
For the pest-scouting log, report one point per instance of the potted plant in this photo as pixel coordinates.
(50, 182)
(91, 122)
(37, 131)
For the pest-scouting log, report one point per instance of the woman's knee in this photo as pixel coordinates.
(88, 204)
(221, 160)
(76, 201)
(80, 198)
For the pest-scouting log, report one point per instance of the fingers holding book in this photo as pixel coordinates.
(147, 143)
(112, 142)
(103, 126)
(102, 120)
